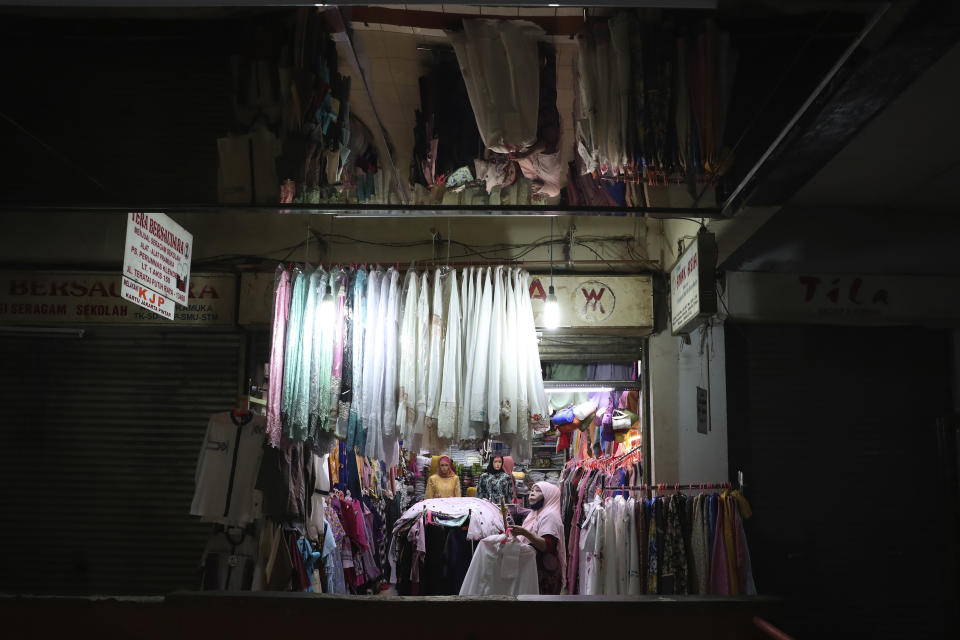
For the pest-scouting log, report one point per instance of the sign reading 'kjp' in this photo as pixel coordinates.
(156, 263)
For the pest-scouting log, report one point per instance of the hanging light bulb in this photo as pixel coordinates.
(551, 309)
(327, 309)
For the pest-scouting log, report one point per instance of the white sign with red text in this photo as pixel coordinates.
(685, 289)
(156, 258)
(147, 298)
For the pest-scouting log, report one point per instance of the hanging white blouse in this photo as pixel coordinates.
(494, 353)
(407, 396)
(508, 359)
(423, 353)
(481, 353)
(375, 426)
(391, 346)
(469, 360)
(451, 387)
(523, 403)
(369, 346)
(591, 550)
(611, 556)
(536, 397)
(436, 351)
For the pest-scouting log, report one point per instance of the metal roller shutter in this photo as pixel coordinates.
(584, 348)
(100, 440)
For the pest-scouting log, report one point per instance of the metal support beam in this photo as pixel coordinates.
(377, 210)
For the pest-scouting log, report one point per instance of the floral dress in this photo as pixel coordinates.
(495, 487)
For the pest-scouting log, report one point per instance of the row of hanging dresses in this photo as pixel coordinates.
(445, 357)
(665, 545)
(650, 100)
(331, 514)
(475, 332)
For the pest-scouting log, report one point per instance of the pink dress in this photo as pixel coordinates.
(281, 312)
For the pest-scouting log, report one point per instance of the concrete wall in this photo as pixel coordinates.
(679, 452)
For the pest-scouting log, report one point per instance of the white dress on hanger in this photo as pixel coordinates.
(523, 402)
(471, 309)
(451, 387)
(536, 397)
(436, 351)
(494, 353)
(391, 345)
(478, 392)
(407, 398)
(369, 347)
(591, 550)
(508, 360)
(611, 556)
(376, 388)
(423, 355)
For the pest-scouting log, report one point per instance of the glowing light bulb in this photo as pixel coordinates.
(551, 311)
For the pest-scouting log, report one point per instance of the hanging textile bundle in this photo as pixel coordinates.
(447, 357)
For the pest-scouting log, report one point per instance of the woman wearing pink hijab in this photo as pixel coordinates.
(543, 529)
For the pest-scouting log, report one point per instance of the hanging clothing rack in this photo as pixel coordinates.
(666, 486)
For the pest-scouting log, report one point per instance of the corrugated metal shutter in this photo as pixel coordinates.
(583, 348)
(100, 440)
(834, 428)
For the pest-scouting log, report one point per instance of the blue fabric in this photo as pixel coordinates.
(310, 559)
(563, 416)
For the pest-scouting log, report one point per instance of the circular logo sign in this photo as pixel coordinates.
(593, 301)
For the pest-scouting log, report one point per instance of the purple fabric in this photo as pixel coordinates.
(719, 578)
(602, 371)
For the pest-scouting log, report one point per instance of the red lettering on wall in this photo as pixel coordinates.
(536, 290)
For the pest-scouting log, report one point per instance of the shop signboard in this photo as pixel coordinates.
(860, 300)
(73, 298)
(597, 304)
(156, 263)
(693, 296)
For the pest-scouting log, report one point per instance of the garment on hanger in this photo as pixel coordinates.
(281, 315)
(227, 468)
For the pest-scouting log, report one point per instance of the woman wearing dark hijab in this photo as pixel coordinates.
(495, 484)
